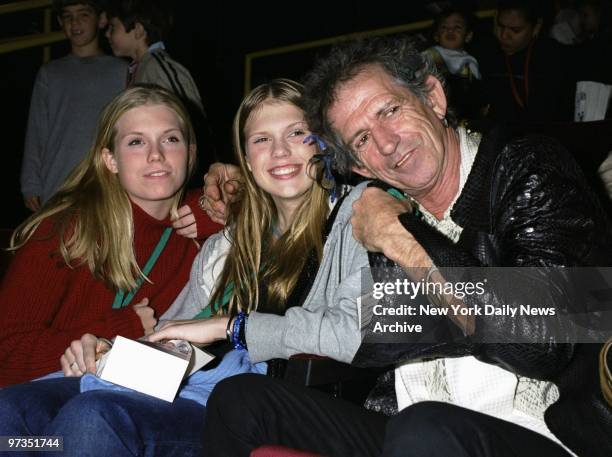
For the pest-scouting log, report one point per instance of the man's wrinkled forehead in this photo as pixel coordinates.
(358, 94)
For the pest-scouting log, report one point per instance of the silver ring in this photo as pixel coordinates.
(73, 364)
(202, 201)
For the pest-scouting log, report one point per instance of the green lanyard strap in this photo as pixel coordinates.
(121, 300)
(400, 196)
(221, 303)
(396, 193)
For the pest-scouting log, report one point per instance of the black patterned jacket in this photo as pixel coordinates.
(525, 203)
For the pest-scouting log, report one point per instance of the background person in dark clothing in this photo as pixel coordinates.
(526, 79)
(594, 52)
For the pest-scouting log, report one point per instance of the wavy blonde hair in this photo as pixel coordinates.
(255, 258)
(91, 211)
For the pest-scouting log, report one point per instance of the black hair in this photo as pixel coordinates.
(59, 5)
(397, 56)
(467, 16)
(154, 15)
(531, 10)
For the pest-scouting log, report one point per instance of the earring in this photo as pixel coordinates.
(445, 122)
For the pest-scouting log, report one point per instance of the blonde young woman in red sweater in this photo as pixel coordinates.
(92, 240)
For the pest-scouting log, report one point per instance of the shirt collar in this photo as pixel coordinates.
(157, 45)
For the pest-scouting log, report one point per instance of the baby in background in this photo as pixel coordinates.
(452, 30)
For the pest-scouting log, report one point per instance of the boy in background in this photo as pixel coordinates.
(69, 94)
(136, 30)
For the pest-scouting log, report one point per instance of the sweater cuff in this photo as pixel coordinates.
(264, 337)
(442, 251)
(123, 322)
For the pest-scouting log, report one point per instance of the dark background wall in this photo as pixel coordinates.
(211, 40)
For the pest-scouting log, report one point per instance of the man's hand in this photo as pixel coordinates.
(80, 357)
(375, 218)
(185, 224)
(376, 226)
(146, 315)
(221, 185)
(32, 203)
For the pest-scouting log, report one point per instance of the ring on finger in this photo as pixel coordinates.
(202, 201)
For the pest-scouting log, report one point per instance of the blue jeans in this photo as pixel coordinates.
(101, 423)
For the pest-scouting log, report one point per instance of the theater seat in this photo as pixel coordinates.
(281, 451)
(317, 371)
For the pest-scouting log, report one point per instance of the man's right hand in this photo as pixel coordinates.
(32, 203)
(146, 315)
(221, 185)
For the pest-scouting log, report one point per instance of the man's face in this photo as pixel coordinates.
(398, 138)
(80, 23)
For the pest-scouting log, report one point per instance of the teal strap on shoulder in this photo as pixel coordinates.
(396, 193)
(221, 303)
(400, 196)
(204, 314)
(121, 300)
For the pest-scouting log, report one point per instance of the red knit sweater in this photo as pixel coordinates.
(44, 305)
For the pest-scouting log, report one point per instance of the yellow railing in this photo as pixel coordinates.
(29, 41)
(48, 37)
(412, 27)
(25, 5)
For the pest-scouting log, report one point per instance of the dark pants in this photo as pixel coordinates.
(434, 429)
(247, 411)
(101, 422)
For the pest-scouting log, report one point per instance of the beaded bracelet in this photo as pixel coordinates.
(242, 332)
(238, 335)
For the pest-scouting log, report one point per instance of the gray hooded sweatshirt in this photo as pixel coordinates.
(327, 323)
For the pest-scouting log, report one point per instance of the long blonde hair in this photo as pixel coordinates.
(253, 215)
(91, 211)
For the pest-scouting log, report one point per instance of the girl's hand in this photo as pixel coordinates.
(80, 357)
(201, 331)
(146, 315)
(185, 224)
